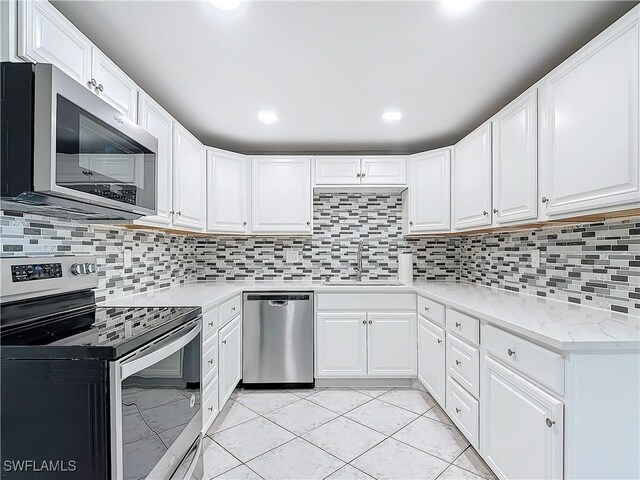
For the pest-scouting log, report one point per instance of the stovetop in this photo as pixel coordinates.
(88, 332)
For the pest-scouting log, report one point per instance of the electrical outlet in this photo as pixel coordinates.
(535, 258)
(128, 257)
(293, 256)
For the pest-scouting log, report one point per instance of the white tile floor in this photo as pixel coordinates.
(338, 433)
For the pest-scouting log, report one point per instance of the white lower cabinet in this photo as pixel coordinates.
(431, 358)
(341, 344)
(392, 344)
(463, 409)
(229, 359)
(521, 425)
(210, 403)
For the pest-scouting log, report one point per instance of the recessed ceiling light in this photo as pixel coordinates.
(267, 116)
(392, 116)
(225, 4)
(455, 6)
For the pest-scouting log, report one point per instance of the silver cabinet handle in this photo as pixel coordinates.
(370, 322)
(358, 174)
(210, 324)
(233, 309)
(92, 82)
(211, 361)
(211, 408)
(172, 212)
(224, 342)
(308, 223)
(244, 224)
(458, 362)
(364, 322)
(545, 200)
(439, 341)
(458, 410)
(550, 423)
(100, 88)
(179, 212)
(411, 223)
(511, 353)
(485, 213)
(363, 175)
(426, 309)
(458, 324)
(495, 210)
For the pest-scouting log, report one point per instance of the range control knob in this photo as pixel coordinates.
(78, 268)
(90, 267)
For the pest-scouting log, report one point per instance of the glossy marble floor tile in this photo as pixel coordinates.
(338, 433)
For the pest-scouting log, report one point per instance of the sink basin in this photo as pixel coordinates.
(364, 283)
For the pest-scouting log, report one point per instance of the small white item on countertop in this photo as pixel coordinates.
(405, 267)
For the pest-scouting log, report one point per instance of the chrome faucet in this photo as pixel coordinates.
(358, 267)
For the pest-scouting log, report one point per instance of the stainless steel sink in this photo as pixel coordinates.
(365, 283)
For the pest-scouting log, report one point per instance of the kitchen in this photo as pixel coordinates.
(205, 275)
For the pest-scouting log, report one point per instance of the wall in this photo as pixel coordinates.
(340, 222)
(158, 260)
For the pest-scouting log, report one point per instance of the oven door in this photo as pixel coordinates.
(156, 418)
(86, 150)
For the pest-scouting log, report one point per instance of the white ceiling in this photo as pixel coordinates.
(330, 69)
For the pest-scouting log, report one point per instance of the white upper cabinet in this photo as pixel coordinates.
(155, 120)
(189, 179)
(515, 160)
(281, 199)
(385, 170)
(227, 192)
(471, 179)
(392, 345)
(590, 128)
(429, 193)
(337, 170)
(345, 170)
(113, 85)
(46, 36)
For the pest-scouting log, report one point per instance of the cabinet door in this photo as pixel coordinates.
(155, 120)
(392, 346)
(521, 426)
(472, 179)
(227, 192)
(590, 134)
(387, 170)
(431, 358)
(46, 36)
(337, 170)
(281, 197)
(189, 179)
(230, 360)
(515, 160)
(113, 85)
(429, 191)
(341, 344)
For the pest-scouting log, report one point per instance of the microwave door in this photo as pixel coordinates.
(86, 150)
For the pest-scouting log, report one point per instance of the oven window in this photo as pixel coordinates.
(94, 158)
(160, 413)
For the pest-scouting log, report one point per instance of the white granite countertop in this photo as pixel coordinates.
(557, 324)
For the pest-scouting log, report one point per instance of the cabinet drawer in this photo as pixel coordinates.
(464, 326)
(210, 404)
(463, 364)
(541, 364)
(209, 323)
(229, 309)
(210, 359)
(462, 408)
(431, 310)
(393, 302)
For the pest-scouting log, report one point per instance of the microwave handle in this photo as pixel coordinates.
(160, 352)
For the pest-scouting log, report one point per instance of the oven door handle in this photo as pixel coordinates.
(159, 352)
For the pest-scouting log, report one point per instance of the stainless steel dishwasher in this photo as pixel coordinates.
(277, 339)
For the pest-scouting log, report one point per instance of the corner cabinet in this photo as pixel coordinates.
(189, 179)
(471, 180)
(515, 160)
(590, 129)
(155, 120)
(227, 192)
(429, 194)
(523, 426)
(281, 198)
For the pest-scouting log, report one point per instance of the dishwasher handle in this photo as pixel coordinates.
(278, 303)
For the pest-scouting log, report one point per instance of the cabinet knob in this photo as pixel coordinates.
(485, 213)
(211, 324)
(458, 362)
(363, 175)
(495, 210)
(411, 223)
(364, 322)
(224, 342)
(211, 361)
(426, 309)
(100, 87)
(458, 324)
(458, 410)
(308, 223)
(172, 212)
(511, 352)
(211, 408)
(550, 423)
(545, 200)
(358, 174)
(439, 341)
(92, 82)
(233, 309)
(370, 322)
(244, 224)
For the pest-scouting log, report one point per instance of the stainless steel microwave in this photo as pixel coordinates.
(65, 152)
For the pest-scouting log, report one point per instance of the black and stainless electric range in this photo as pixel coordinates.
(90, 392)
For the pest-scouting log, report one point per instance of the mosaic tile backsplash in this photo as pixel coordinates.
(595, 264)
(158, 260)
